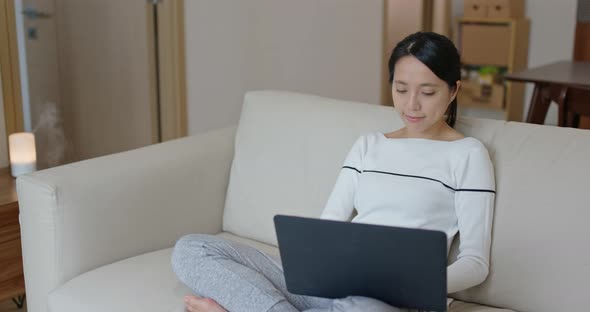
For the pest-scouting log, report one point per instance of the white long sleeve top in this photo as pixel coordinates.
(427, 184)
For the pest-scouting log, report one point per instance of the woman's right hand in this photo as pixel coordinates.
(195, 303)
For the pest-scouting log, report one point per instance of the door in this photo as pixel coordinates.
(582, 43)
(91, 77)
(404, 17)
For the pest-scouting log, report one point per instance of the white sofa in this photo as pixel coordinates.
(97, 235)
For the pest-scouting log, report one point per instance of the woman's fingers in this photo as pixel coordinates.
(192, 303)
(195, 303)
(200, 304)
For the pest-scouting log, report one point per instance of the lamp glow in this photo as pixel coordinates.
(23, 156)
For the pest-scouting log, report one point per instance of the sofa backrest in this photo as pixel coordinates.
(290, 148)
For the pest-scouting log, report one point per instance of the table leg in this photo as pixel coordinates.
(576, 120)
(539, 105)
(19, 301)
(562, 104)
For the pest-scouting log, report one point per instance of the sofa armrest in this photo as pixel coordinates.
(84, 215)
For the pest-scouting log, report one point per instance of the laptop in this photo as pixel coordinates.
(406, 268)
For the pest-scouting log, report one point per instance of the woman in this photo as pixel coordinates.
(424, 175)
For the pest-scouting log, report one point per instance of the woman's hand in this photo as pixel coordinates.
(195, 303)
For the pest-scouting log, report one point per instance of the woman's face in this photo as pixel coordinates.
(419, 96)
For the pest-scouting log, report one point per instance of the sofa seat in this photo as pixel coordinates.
(148, 279)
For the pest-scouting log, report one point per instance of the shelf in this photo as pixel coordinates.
(498, 42)
(474, 65)
(496, 21)
(480, 106)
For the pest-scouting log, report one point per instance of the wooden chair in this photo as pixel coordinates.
(575, 104)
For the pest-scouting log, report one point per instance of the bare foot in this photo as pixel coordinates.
(199, 304)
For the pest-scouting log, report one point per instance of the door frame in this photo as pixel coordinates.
(9, 69)
(170, 88)
(171, 69)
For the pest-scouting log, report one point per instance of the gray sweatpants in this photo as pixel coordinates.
(242, 278)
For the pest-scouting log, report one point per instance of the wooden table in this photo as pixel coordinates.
(12, 283)
(562, 82)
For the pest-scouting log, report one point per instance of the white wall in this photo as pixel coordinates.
(328, 47)
(553, 25)
(3, 138)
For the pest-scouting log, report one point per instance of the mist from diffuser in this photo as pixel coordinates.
(23, 156)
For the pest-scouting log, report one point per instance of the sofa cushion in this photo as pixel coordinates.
(539, 259)
(289, 150)
(458, 306)
(146, 283)
(142, 283)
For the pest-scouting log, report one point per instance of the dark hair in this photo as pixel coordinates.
(439, 54)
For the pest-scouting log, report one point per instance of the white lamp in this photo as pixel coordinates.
(23, 157)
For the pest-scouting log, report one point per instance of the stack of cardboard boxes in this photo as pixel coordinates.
(493, 8)
(490, 39)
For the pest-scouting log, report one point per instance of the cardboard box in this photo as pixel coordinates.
(475, 8)
(505, 8)
(476, 95)
(485, 44)
(493, 8)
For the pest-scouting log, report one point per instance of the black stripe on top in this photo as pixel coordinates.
(420, 177)
(353, 168)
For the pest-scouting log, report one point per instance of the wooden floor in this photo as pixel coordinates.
(9, 306)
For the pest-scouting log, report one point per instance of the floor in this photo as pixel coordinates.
(9, 306)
